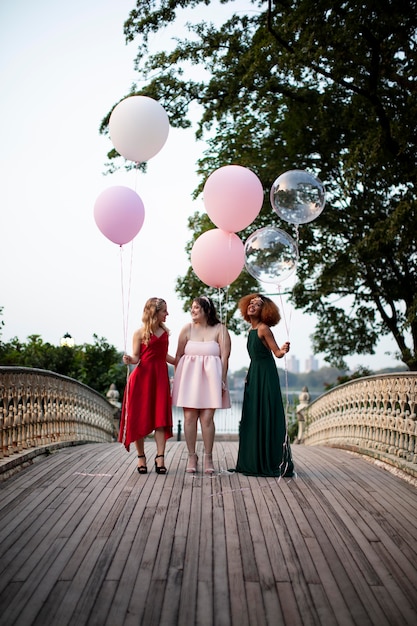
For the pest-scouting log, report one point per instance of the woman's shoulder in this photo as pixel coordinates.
(185, 331)
(221, 328)
(138, 333)
(263, 329)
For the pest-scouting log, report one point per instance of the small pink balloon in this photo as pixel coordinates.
(233, 197)
(119, 213)
(217, 257)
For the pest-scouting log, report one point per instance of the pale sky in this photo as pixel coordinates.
(63, 66)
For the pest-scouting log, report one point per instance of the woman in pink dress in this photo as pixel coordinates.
(200, 381)
(147, 399)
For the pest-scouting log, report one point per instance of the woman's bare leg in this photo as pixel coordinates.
(190, 432)
(208, 431)
(160, 446)
(140, 448)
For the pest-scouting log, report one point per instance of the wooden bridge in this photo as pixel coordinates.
(85, 540)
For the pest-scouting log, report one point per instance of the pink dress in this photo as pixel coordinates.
(198, 378)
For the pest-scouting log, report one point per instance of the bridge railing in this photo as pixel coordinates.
(374, 415)
(38, 407)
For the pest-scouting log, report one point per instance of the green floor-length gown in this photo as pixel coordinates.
(264, 449)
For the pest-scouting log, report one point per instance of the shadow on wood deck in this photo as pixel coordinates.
(85, 540)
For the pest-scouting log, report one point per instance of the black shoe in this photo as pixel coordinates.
(160, 469)
(142, 469)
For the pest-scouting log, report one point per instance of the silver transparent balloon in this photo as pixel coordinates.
(298, 197)
(271, 255)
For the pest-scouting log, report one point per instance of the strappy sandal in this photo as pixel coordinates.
(192, 463)
(142, 469)
(208, 464)
(160, 469)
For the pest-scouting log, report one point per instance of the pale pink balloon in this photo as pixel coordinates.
(138, 128)
(233, 197)
(218, 257)
(119, 213)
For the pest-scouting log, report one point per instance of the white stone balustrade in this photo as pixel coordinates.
(38, 407)
(374, 415)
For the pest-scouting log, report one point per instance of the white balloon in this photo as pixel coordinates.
(139, 128)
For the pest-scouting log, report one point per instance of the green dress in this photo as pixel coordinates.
(264, 449)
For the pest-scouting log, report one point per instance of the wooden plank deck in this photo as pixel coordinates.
(85, 540)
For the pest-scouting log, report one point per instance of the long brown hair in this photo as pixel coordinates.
(149, 317)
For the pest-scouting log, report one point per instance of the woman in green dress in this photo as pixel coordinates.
(264, 448)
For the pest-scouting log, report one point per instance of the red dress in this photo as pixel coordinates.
(147, 399)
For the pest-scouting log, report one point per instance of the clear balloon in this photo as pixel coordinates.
(138, 128)
(217, 257)
(119, 214)
(271, 255)
(297, 197)
(233, 197)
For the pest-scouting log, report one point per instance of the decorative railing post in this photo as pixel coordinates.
(38, 408)
(374, 415)
(304, 399)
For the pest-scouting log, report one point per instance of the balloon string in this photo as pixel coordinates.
(219, 299)
(297, 239)
(123, 297)
(125, 313)
(223, 319)
(223, 308)
(284, 319)
(136, 175)
(287, 402)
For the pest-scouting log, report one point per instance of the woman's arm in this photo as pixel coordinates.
(182, 341)
(171, 360)
(136, 344)
(225, 349)
(267, 337)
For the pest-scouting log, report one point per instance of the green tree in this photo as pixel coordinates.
(328, 87)
(96, 365)
(102, 365)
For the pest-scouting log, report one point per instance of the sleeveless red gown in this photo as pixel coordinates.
(147, 401)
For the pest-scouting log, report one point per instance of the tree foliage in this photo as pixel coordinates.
(329, 87)
(96, 365)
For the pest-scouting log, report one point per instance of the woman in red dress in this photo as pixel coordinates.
(147, 405)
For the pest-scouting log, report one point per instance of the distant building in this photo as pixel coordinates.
(293, 364)
(312, 364)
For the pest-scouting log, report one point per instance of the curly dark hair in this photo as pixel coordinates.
(209, 309)
(270, 314)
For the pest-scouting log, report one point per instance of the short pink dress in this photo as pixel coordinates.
(198, 378)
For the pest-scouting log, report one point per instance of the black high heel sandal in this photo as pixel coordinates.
(142, 469)
(160, 469)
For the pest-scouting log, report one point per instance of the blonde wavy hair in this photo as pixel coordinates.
(149, 317)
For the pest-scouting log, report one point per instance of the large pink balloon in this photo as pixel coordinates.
(233, 197)
(217, 257)
(119, 213)
(138, 128)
